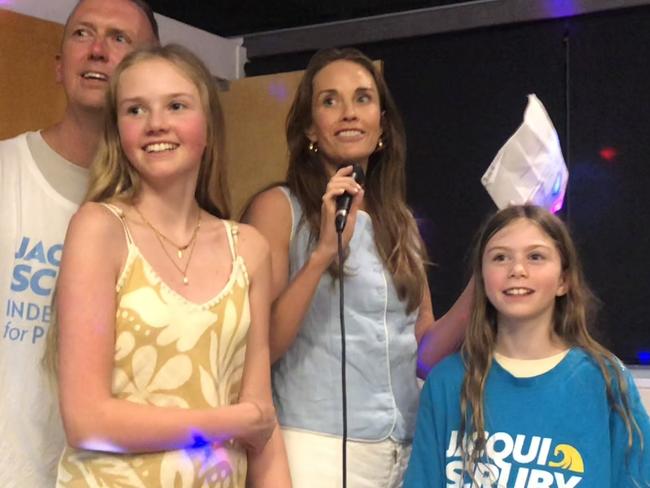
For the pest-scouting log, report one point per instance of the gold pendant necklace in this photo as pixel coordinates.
(179, 249)
(160, 235)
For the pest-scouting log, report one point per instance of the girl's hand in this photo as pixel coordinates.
(341, 182)
(258, 420)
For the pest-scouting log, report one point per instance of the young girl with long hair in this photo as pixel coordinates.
(342, 113)
(162, 304)
(532, 399)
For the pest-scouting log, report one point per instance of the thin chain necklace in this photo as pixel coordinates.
(160, 236)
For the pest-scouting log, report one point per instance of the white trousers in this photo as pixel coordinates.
(315, 461)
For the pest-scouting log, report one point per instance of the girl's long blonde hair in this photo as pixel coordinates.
(571, 318)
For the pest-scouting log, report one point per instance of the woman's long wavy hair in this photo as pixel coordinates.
(113, 177)
(571, 317)
(396, 234)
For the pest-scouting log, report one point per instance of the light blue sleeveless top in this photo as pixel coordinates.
(381, 349)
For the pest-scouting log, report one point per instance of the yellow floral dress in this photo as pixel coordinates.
(170, 352)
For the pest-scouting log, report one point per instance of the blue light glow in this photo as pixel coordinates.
(557, 185)
(199, 440)
(561, 8)
(279, 91)
(643, 357)
(213, 457)
(101, 445)
(557, 206)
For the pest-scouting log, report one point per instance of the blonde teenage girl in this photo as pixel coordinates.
(163, 305)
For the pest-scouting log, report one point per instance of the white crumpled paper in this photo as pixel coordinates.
(529, 168)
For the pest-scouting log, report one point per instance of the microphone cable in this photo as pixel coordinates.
(340, 223)
(344, 400)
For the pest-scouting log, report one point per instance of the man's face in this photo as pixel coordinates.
(96, 38)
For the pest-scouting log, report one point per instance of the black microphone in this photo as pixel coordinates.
(344, 202)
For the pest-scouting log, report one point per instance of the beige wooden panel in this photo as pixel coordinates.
(30, 98)
(255, 110)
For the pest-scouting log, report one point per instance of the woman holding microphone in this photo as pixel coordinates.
(343, 113)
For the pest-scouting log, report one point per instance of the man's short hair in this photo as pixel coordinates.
(144, 8)
(148, 12)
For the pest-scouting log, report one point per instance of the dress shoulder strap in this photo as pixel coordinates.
(119, 213)
(232, 230)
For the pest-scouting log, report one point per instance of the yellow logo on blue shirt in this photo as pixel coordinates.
(520, 461)
(571, 459)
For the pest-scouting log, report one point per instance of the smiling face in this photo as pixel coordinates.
(161, 120)
(522, 274)
(346, 113)
(97, 36)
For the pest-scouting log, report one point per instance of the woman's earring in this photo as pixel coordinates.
(380, 144)
(313, 147)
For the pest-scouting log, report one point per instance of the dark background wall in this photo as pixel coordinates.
(463, 94)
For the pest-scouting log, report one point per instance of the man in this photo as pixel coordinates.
(43, 178)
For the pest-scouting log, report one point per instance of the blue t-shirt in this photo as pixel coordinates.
(552, 430)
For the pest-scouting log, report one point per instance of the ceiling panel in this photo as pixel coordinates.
(240, 17)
